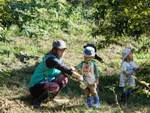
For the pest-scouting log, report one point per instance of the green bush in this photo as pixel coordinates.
(40, 18)
(121, 17)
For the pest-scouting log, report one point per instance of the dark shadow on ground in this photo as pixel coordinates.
(64, 108)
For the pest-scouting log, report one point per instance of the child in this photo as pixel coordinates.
(89, 70)
(128, 69)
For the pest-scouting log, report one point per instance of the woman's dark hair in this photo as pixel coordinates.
(96, 56)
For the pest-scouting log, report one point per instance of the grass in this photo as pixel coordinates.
(17, 68)
(42, 22)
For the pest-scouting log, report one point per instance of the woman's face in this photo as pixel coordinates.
(60, 52)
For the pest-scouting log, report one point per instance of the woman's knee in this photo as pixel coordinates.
(62, 80)
(52, 87)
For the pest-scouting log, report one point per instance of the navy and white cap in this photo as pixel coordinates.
(60, 44)
(89, 52)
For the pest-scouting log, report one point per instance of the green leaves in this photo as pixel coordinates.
(40, 18)
(5, 73)
(123, 17)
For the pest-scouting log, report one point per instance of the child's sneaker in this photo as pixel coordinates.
(89, 102)
(96, 101)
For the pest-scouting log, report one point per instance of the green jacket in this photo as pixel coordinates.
(42, 72)
(92, 64)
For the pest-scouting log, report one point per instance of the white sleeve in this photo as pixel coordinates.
(134, 65)
(124, 67)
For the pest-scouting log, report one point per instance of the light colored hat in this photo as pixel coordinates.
(89, 52)
(125, 53)
(60, 44)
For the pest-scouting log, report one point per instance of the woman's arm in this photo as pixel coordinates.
(54, 63)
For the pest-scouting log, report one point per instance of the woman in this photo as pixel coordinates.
(50, 75)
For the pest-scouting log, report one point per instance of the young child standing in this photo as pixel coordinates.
(88, 68)
(128, 70)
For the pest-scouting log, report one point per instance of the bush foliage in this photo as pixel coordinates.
(121, 17)
(42, 17)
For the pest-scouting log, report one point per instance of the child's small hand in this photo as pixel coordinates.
(137, 70)
(130, 72)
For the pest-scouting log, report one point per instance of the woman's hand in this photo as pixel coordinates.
(73, 68)
(77, 76)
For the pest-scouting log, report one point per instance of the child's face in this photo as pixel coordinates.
(130, 57)
(87, 58)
